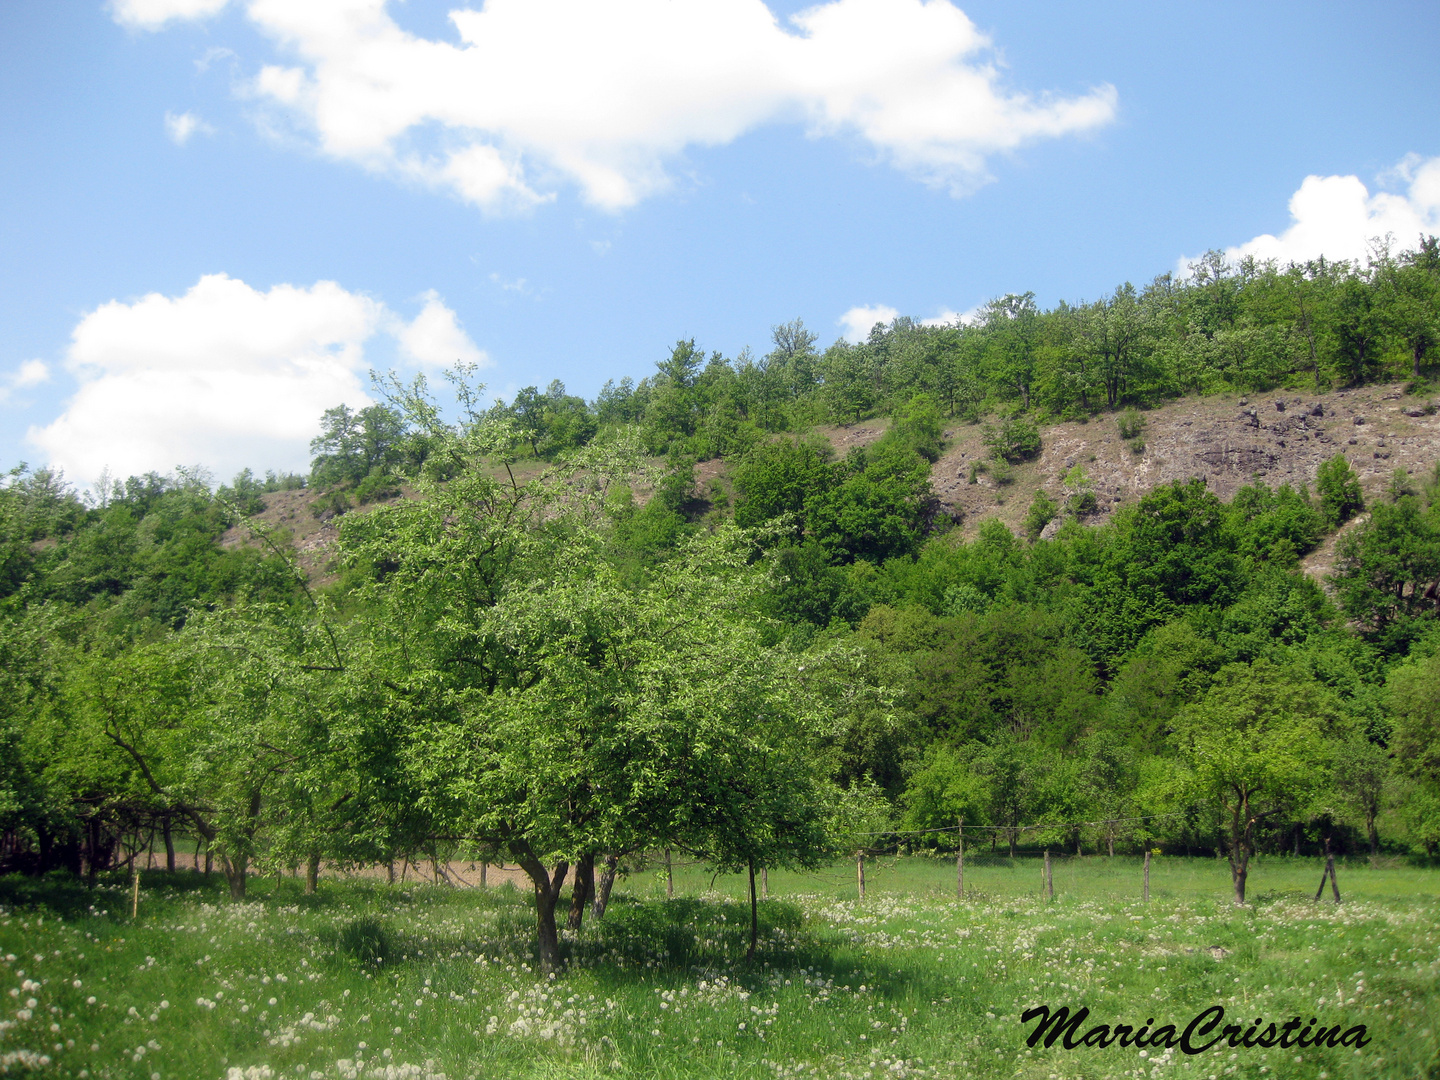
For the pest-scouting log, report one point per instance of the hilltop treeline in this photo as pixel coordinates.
(559, 666)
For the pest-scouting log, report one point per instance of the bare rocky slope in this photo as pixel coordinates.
(1228, 440)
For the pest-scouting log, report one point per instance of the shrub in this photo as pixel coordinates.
(1014, 440)
(1043, 510)
(1339, 487)
(378, 485)
(331, 504)
(1130, 423)
(1081, 492)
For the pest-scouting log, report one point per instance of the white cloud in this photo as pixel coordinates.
(603, 96)
(1336, 216)
(950, 317)
(153, 14)
(859, 321)
(30, 373)
(435, 338)
(181, 127)
(225, 375)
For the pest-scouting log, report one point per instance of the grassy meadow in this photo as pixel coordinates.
(419, 982)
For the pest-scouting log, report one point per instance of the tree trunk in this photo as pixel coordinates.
(1012, 843)
(602, 892)
(169, 847)
(1372, 833)
(312, 874)
(754, 916)
(582, 890)
(1239, 868)
(547, 893)
(235, 870)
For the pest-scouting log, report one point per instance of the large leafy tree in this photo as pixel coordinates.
(1389, 567)
(1257, 745)
(553, 711)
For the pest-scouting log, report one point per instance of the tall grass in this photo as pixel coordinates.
(371, 980)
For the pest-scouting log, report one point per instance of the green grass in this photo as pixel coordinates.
(423, 981)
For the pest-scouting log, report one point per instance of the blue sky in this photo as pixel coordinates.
(216, 217)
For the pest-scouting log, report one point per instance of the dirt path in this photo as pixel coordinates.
(462, 873)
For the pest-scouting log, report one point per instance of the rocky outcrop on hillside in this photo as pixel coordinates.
(1228, 441)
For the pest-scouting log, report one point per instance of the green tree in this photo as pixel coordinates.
(554, 711)
(1413, 691)
(1413, 299)
(777, 477)
(1257, 745)
(883, 508)
(945, 789)
(1361, 771)
(351, 445)
(1388, 568)
(1339, 490)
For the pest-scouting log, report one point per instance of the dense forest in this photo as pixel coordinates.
(542, 641)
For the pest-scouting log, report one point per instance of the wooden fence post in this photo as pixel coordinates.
(669, 877)
(860, 871)
(960, 860)
(1329, 872)
(1147, 875)
(1049, 880)
(765, 883)
(484, 867)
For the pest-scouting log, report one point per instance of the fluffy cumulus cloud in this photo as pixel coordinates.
(1338, 217)
(951, 317)
(539, 93)
(435, 339)
(225, 375)
(857, 323)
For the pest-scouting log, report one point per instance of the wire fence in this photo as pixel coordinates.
(1036, 826)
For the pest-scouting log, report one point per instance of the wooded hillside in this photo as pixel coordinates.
(1045, 567)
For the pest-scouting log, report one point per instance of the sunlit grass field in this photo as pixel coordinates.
(367, 979)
